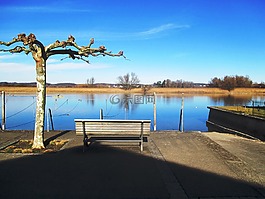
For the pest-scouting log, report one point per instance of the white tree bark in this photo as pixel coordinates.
(38, 141)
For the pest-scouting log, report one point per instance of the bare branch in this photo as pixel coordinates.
(27, 40)
(82, 50)
(17, 49)
(9, 43)
(61, 52)
(81, 58)
(64, 58)
(91, 42)
(58, 47)
(57, 44)
(76, 57)
(119, 54)
(72, 54)
(21, 38)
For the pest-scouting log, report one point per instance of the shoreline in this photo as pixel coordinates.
(167, 91)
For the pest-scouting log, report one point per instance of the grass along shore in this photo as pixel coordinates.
(237, 91)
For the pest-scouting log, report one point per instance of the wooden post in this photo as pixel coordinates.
(48, 123)
(181, 122)
(154, 111)
(101, 114)
(3, 110)
(50, 113)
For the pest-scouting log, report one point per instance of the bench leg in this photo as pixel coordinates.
(141, 145)
(142, 137)
(85, 143)
(85, 140)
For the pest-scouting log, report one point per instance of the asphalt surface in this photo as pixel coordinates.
(172, 165)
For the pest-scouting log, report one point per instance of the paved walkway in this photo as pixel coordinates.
(173, 165)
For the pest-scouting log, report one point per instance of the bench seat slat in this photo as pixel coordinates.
(111, 121)
(111, 125)
(111, 133)
(115, 139)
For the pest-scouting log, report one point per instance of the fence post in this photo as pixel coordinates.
(47, 120)
(3, 110)
(101, 114)
(154, 111)
(50, 113)
(181, 122)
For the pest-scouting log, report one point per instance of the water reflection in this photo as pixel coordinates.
(90, 99)
(231, 100)
(65, 108)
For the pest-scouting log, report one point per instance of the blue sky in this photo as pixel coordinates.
(192, 40)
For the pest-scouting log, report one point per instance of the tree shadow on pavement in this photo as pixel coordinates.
(48, 140)
(109, 172)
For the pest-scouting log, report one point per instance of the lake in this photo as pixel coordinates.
(20, 109)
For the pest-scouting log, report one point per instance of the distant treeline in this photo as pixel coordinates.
(178, 84)
(227, 83)
(58, 85)
(232, 82)
(34, 84)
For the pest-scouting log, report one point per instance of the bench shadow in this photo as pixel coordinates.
(104, 171)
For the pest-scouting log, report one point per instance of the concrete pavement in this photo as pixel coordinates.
(173, 165)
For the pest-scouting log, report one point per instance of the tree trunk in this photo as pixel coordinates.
(38, 142)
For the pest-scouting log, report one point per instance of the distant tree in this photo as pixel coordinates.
(243, 82)
(215, 82)
(231, 82)
(128, 81)
(158, 84)
(187, 84)
(174, 84)
(91, 81)
(228, 83)
(178, 83)
(168, 83)
(40, 54)
(164, 84)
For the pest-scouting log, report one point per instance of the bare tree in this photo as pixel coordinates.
(91, 81)
(40, 54)
(128, 81)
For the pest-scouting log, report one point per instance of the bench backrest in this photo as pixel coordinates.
(112, 127)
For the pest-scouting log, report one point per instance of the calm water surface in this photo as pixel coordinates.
(20, 109)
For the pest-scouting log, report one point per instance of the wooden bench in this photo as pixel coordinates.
(96, 130)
